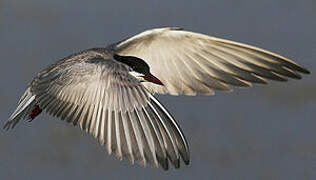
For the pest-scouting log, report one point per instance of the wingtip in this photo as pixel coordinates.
(165, 167)
(305, 71)
(5, 127)
(186, 161)
(301, 69)
(176, 163)
(8, 125)
(163, 162)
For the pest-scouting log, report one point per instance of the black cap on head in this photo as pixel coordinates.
(135, 63)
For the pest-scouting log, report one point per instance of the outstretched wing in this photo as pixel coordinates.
(191, 63)
(107, 102)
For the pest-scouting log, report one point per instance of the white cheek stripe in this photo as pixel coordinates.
(137, 75)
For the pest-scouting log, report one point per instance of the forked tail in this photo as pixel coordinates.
(27, 109)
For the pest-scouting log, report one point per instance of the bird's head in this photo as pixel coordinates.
(139, 69)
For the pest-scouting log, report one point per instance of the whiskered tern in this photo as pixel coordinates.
(109, 91)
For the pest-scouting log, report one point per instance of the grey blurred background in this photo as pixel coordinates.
(265, 132)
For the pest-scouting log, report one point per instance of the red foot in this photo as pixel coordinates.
(36, 111)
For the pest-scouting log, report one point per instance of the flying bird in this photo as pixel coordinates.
(109, 91)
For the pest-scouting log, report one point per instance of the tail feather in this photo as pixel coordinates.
(26, 105)
(26, 93)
